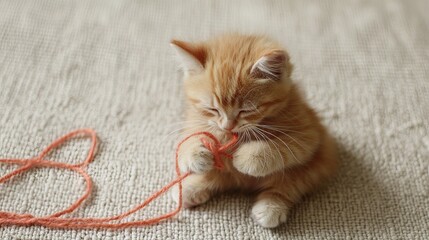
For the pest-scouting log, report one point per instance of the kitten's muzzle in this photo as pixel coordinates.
(228, 125)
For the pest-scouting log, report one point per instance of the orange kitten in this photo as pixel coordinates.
(241, 84)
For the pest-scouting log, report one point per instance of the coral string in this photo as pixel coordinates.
(56, 221)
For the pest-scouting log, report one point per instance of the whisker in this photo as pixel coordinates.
(259, 146)
(185, 127)
(184, 122)
(273, 142)
(287, 135)
(287, 146)
(277, 147)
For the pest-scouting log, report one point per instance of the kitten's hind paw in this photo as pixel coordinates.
(269, 213)
(191, 196)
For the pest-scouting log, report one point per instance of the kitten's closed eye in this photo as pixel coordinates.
(212, 110)
(247, 111)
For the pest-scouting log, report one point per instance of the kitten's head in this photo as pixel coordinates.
(235, 81)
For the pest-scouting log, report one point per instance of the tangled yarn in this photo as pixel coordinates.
(56, 220)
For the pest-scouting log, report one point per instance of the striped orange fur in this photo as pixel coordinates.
(242, 84)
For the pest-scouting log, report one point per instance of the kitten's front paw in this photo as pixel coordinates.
(269, 214)
(197, 159)
(255, 159)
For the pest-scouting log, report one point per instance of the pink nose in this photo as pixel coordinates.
(229, 125)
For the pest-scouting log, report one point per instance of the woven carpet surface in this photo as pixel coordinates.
(107, 65)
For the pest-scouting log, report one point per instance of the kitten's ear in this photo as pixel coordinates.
(192, 56)
(270, 65)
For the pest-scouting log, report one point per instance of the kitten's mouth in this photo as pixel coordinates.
(228, 132)
(235, 130)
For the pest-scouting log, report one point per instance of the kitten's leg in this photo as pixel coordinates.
(258, 159)
(204, 181)
(194, 157)
(199, 188)
(270, 210)
(287, 188)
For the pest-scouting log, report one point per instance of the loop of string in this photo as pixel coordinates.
(56, 221)
(218, 150)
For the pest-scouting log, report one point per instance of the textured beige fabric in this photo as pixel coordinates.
(108, 65)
